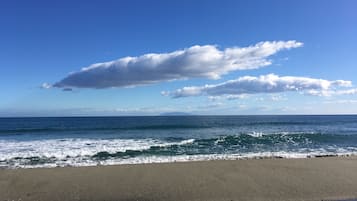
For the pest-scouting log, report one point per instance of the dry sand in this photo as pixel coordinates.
(330, 178)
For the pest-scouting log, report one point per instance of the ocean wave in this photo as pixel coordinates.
(36, 162)
(70, 148)
(78, 151)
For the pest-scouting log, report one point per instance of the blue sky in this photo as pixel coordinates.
(45, 41)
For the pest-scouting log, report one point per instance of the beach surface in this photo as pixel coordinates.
(327, 178)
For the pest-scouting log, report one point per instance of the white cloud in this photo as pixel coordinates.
(263, 84)
(272, 97)
(235, 97)
(46, 86)
(217, 98)
(197, 61)
(331, 92)
(210, 106)
(340, 102)
(278, 98)
(346, 92)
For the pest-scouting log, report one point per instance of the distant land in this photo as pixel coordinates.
(175, 114)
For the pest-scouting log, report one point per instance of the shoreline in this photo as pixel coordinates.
(188, 158)
(322, 178)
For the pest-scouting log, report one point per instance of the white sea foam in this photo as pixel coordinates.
(256, 134)
(76, 162)
(79, 152)
(70, 148)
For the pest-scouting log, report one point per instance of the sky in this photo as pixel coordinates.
(117, 58)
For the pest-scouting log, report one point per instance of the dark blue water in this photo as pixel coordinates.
(81, 141)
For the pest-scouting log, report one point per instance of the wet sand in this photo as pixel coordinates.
(330, 178)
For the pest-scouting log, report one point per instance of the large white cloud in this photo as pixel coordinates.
(197, 61)
(263, 84)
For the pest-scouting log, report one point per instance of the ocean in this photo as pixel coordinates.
(90, 141)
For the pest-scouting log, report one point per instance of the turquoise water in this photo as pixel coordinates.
(87, 141)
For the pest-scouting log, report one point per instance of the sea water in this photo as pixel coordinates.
(89, 141)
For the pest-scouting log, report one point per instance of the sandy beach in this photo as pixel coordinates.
(330, 178)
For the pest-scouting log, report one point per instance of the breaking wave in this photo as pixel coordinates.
(89, 152)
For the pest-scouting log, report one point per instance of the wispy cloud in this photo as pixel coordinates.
(270, 83)
(341, 102)
(331, 92)
(210, 106)
(272, 97)
(45, 86)
(223, 97)
(206, 61)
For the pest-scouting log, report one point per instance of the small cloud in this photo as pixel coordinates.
(145, 110)
(270, 83)
(235, 97)
(341, 102)
(205, 61)
(210, 106)
(165, 93)
(224, 97)
(347, 92)
(259, 99)
(46, 86)
(277, 97)
(327, 93)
